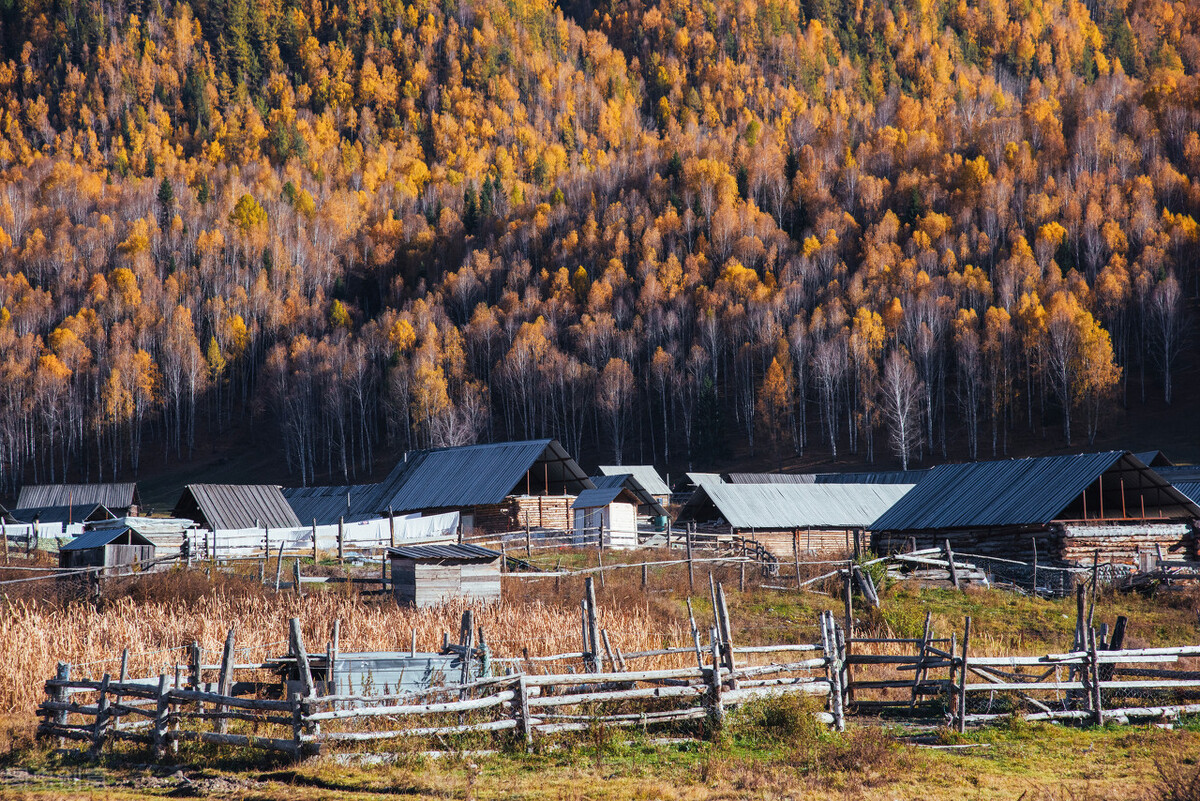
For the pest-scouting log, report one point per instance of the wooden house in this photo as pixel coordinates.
(1072, 507)
(503, 486)
(117, 549)
(792, 519)
(608, 515)
(426, 575)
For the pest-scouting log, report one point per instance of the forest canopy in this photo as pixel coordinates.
(868, 228)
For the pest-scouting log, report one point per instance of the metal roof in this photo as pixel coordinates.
(1015, 492)
(1154, 459)
(876, 477)
(631, 483)
(327, 504)
(1189, 488)
(479, 475)
(785, 506)
(770, 478)
(603, 496)
(98, 538)
(461, 552)
(697, 479)
(226, 507)
(645, 474)
(113, 496)
(1177, 473)
(146, 526)
(78, 513)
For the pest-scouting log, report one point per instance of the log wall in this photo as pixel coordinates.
(518, 511)
(811, 542)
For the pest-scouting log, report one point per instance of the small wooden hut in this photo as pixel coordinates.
(609, 515)
(425, 575)
(116, 549)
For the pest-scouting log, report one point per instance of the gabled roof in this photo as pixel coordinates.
(1154, 459)
(770, 478)
(785, 506)
(630, 482)
(479, 475)
(603, 496)
(874, 477)
(327, 504)
(113, 496)
(645, 474)
(98, 538)
(466, 553)
(225, 507)
(1026, 492)
(697, 479)
(79, 513)
(1189, 488)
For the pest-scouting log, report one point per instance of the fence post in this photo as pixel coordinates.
(99, 728)
(225, 681)
(341, 540)
(296, 578)
(716, 709)
(279, 567)
(392, 526)
(1033, 541)
(194, 678)
(691, 568)
(593, 627)
(521, 710)
(63, 674)
(159, 734)
(314, 532)
(953, 569)
(962, 679)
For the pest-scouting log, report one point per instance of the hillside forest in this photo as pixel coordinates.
(783, 226)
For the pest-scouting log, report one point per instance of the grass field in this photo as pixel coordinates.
(768, 750)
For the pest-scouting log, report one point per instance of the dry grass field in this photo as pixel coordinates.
(767, 751)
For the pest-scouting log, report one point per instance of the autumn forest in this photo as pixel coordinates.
(778, 226)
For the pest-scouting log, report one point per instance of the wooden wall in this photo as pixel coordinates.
(1069, 543)
(429, 583)
(518, 511)
(811, 542)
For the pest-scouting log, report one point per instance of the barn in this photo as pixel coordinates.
(607, 514)
(1071, 506)
(810, 518)
(426, 575)
(235, 507)
(117, 549)
(120, 498)
(504, 486)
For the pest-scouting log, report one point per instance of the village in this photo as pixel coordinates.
(457, 539)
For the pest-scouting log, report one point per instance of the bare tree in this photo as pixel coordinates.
(1168, 327)
(901, 401)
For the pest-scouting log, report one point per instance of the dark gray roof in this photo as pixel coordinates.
(1022, 492)
(630, 482)
(224, 507)
(1177, 473)
(98, 538)
(472, 553)
(1188, 488)
(78, 513)
(1154, 459)
(603, 496)
(327, 504)
(113, 496)
(770, 478)
(787, 506)
(645, 474)
(479, 475)
(874, 477)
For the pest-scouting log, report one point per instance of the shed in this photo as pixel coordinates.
(607, 513)
(118, 549)
(426, 575)
(1071, 506)
(786, 517)
(167, 534)
(645, 475)
(235, 507)
(120, 498)
(502, 486)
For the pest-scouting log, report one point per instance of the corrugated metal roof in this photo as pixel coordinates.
(603, 496)
(698, 479)
(477, 475)
(1014, 492)
(1189, 488)
(770, 478)
(874, 477)
(327, 504)
(225, 507)
(62, 514)
(1182, 472)
(1154, 459)
(631, 483)
(98, 538)
(147, 526)
(784, 506)
(113, 496)
(645, 474)
(464, 552)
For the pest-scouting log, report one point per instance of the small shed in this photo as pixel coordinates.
(116, 549)
(609, 514)
(426, 575)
